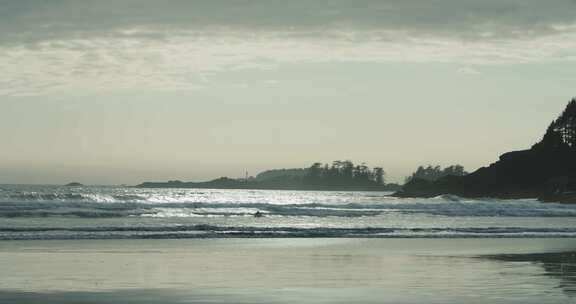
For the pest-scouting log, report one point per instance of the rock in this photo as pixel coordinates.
(544, 171)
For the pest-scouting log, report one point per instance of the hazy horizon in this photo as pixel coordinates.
(126, 91)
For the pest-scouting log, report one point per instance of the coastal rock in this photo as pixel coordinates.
(546, 171)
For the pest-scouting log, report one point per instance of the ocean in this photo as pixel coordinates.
(57, 212)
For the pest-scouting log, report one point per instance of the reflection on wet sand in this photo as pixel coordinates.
(446, 271)
(558, 265)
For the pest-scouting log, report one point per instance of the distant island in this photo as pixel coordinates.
(338, 176)
(546, 171)
(74, 184)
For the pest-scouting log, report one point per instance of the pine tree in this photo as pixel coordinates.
(561, 134)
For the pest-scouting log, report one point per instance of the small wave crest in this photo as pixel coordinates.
(211, 231)
(439, 207)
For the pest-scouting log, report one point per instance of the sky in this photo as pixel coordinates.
(126, 91)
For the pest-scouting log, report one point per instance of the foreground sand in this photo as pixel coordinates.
(289, 271)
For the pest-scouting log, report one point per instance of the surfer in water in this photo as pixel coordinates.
(258, 214)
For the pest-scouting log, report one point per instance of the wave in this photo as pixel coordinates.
(162, 213)
(64, 197)
(210, 231)
(71, 213)
(98, 202)
(433, 207)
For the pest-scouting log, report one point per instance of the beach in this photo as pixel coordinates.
(279, 152)
(108, 245)
(289, 271)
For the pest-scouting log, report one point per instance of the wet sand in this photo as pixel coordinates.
(289, 271)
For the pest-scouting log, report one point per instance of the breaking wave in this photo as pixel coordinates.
(209, 231)
(49, 212)
(470, 208)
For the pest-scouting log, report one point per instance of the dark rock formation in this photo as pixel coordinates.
(546, 171)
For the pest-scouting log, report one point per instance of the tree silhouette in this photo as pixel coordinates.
(561, 134)
(379, 175)
(433, 173)
(344, 173)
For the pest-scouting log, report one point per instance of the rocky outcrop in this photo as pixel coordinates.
(546, 171)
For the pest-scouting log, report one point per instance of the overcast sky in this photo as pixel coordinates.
(123, 91)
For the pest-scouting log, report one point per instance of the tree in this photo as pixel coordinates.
(314, 173)
(433, 173)
(344, 173)
(379, 174)
(561, 134)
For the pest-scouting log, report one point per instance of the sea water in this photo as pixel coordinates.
(57, 212)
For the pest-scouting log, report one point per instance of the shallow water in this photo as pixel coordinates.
(289, 271)
(52, 212)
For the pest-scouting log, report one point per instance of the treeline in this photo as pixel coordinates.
(434, 173)
(338, 175)
(561, 134)
(344, 173)
(281, 174)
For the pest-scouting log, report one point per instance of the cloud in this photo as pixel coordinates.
(36, 20)
(271, 82)
(181, 62)
(468, 71)
(66, 45)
